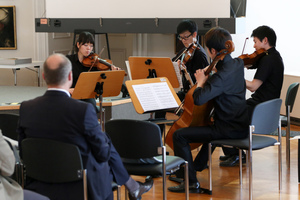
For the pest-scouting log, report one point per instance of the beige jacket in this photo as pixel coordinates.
(9, 189)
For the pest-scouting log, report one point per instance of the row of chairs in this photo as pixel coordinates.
(145, 141)
(49, 161)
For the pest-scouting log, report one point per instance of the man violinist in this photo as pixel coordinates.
(187, 34)
(224, 88)
(267, 82)
(187, 31)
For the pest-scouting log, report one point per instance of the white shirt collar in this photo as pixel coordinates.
(61, 90)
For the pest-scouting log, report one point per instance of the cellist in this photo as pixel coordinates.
(226, 88)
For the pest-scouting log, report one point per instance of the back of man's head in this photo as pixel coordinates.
(56, 70)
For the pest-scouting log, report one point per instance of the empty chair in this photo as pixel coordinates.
(285, 119)
(265, 120)
(56, 166)
(139, 141)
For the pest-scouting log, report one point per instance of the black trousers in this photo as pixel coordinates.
(233, 151)
(181, 140)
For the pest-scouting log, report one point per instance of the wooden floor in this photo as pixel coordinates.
(226, 179)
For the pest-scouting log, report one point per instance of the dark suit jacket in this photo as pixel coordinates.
(58, 117)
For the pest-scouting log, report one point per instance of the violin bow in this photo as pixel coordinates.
(244, 45)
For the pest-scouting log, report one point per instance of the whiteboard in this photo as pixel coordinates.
(137, 9)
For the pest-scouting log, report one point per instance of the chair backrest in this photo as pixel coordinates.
(8, 125)
(51, 161)
(291, 95)
(266, 116)
(134, 139)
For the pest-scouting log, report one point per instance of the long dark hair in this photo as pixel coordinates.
(84, 37)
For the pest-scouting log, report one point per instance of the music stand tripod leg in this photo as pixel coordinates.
(99, 91)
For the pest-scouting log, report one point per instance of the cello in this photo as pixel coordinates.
(194, 115)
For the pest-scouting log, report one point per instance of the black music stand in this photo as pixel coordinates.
(99, 84)
(153, 67)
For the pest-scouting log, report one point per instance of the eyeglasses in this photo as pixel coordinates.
(185, 37)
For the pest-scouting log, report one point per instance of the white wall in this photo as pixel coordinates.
(281, 15)
(137, 9)
(26, 42)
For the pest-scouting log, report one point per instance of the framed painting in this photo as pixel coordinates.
(8, 33)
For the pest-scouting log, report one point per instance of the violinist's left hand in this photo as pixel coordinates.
(200, 77)
(113, 68)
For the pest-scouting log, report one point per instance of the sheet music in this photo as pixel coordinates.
(155, 96)
(178, 74)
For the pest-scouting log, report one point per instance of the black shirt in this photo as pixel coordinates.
(270, 71)
(197, 61)
(227, 89)
(77, 68)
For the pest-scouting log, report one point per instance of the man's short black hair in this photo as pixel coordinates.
(187, 25)
(265, 31)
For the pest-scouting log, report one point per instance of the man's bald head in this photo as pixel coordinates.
(56, 70)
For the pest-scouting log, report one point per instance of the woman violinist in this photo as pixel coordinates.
(83, 48)
(226, 88)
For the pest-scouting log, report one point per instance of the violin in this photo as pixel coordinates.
(186, 55)
(194, 115)
(187, 52)
(93, 60)
(254, 57)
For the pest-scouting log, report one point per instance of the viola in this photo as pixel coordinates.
(187, 52)
(186, 55)
(250, 59)
(194, 115)
(93, 60)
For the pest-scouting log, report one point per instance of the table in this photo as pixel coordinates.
(34, 64)
(115, 107)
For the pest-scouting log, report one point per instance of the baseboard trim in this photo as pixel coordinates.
(295, 121)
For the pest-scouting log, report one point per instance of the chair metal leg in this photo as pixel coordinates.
(288, 136)
(250, 162)
(85, 190)
(280, 156)
(298, 162)
(209, 167)
(186, 179)
(164, 173)
(241, 166)
(119, 192)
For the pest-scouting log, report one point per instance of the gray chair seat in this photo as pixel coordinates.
(259, 142)
(173, 162)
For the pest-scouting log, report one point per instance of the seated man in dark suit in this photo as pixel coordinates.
(58, 117)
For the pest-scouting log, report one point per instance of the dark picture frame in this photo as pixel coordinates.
(8, 32)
